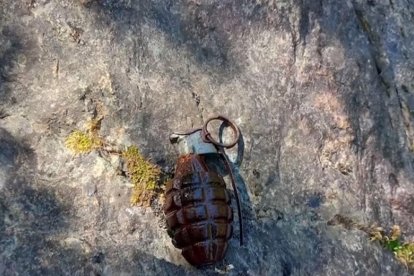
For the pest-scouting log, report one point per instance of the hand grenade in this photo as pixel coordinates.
(197, 204)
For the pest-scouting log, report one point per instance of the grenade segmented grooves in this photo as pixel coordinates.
(198, 211)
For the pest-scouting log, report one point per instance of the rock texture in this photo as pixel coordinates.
(323, 92)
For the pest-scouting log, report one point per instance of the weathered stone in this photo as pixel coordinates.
(322, 92)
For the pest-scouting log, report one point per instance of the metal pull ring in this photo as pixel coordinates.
(208, 138)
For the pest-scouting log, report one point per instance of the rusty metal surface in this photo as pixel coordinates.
(198, 211)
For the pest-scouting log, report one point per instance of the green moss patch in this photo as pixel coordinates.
(403, 251)
(143, 174)
(391, 240)
(81, 142)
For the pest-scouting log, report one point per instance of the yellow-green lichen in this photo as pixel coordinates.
(403, 251)
(81, 142)
(392, 241)
(144, 176)
(405, 254)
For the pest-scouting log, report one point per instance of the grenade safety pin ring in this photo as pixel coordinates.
(209, 139)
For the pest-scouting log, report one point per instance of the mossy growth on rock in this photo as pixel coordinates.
(403, 251)
(392, 241)
(82, 142)
(85, 141)
(144, 175)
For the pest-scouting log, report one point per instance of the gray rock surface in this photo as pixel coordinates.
(323, 92)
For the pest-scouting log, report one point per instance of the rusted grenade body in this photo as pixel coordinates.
(198, 212)
(197, 205)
